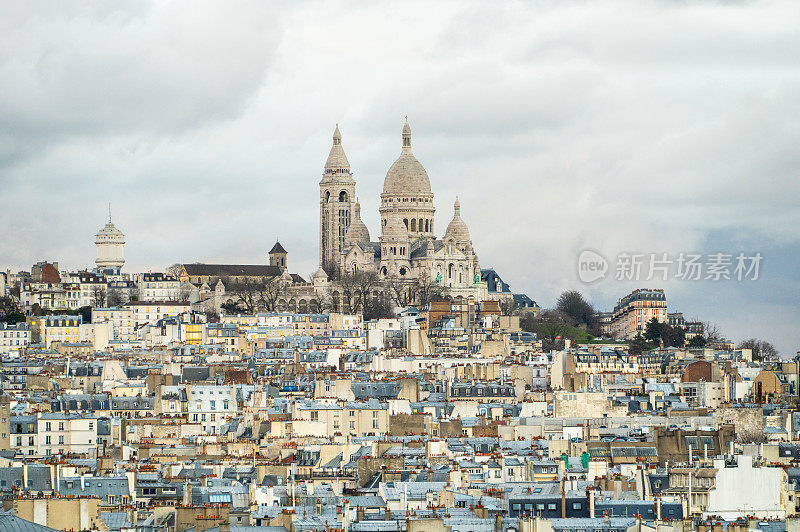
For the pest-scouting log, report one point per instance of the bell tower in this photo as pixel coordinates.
(337, 197)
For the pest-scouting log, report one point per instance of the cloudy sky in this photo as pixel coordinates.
(623, 127)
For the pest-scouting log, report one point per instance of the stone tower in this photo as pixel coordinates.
(110, 244)
(337, 197)
(277, 256)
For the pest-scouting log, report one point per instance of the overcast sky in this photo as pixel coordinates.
(640, 127)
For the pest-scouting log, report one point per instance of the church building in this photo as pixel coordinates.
(407, 248)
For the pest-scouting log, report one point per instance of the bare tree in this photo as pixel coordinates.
(711, 331)
(184, 292)
(508, 306)
(269, 292)
(174, 270)
(114, 297)
(426, 290)
(368, 283)
(98, 296)
(325, 302)
(762, 350)
(249, 293)
(350, 301)
(402, 291)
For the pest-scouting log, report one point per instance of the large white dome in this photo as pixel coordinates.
(407, 176)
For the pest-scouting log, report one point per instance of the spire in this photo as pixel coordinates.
(109, 212)
(337, 136)
(337, 164)
(457, 208)
(406, 137)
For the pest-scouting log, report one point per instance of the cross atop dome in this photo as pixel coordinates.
(406, 137)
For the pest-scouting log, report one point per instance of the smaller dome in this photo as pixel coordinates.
(357, 233)
(457, 228)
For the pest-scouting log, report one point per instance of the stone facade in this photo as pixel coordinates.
(407, 249)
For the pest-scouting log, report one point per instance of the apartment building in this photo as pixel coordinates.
(14, 338)
(632, 312)
(210, 405)
(152, 311)
(66, 434)
(158, 287)
(121, 319)
(62, 329)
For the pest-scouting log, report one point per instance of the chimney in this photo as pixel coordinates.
(591, 503)
(658, 508)
(25, 475)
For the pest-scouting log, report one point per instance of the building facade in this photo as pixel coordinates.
(110, 243)
(407, 248)
(632, 312)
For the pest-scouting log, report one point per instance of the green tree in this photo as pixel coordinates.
(638, 344)
(652, 332)
(86, 314)
(698, 341)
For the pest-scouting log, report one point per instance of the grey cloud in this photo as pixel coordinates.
(649, 126)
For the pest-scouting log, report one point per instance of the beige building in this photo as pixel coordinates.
(66, 434)
(632, 312)
(152, 311)
(61, 513)
(407, 248)
(349, 418)
(14, 338)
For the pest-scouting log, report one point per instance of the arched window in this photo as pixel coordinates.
(343, 196)
(328, 196)
(450, 271)
(383, 271)
(426, 226)
(405, 221)
(420, 224)
(413, 225)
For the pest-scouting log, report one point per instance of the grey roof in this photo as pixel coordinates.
(116, 520)
(11, 523)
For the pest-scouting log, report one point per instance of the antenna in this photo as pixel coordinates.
(109, 212)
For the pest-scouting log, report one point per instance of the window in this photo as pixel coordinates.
(576, 506)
